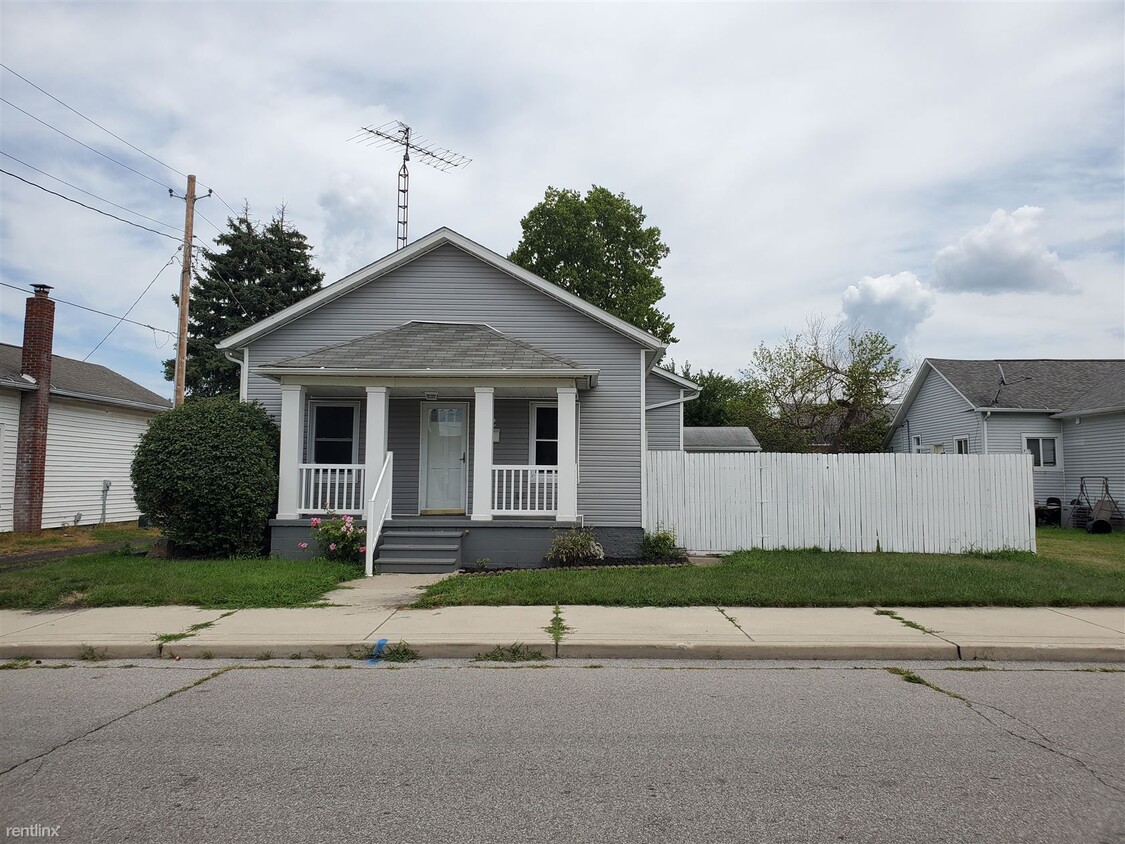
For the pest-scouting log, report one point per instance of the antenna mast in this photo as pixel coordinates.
(397, 133)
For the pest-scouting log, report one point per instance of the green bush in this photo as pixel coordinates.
(574, 547)
(660, 546)
(339, 538)
(206, 475)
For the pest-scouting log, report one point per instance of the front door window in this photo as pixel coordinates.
(444, 445)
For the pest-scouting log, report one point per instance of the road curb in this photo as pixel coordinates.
(579, 650)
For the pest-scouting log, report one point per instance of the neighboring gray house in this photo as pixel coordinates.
(484, 403)
(1068, 414)
(724, 439)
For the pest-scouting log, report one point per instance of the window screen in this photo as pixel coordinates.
(334, 433)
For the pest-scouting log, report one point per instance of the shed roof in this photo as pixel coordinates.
(433, 346)
(720, 439)
(78, 379)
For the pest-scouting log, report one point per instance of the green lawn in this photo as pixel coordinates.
(114, 580)
(1073, 569)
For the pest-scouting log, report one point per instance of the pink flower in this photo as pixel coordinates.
(302, 545)
(332, 547)
(316, 522)
(363, 549)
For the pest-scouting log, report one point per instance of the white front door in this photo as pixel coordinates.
(444, 444)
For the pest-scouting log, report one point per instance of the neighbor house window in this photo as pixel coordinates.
(334, 432)
(1044, 451)
(916, 444)
(962, 445)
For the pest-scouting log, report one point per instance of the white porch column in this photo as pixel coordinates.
(289, 472)
(568, 457)
(482, 454)
(375, 434)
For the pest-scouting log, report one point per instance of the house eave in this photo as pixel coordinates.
(90, 397)
(279, 372)
(1051, 410)
(1095, 411)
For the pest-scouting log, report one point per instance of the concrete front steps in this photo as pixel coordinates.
(419, 550)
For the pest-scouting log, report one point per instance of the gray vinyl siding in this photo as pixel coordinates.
(939, 415)
(1005, 436)
(447, 284)
(1094, 447)
(662, 425)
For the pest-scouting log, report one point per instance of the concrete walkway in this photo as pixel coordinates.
(370, 610)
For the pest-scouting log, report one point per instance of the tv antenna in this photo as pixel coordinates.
(396, 133)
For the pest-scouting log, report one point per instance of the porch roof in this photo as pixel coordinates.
(420, 348)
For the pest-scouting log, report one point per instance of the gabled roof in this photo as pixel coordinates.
(1041, 384)
(80, 380)
(434, 240)
(720, 439)
(431, 346)
(1026, 384)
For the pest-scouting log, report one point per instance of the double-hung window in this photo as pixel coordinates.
(1043, 450)
(962, 445)
(334, 435)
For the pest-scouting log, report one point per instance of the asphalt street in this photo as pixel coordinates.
(454, 751)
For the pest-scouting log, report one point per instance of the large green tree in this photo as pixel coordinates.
(722, 401)
(597, 247)
(826, 389)
(255, 272)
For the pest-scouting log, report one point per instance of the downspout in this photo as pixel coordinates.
(984, 430)
(242, 388)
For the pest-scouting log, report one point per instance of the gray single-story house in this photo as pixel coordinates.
(1068, 414)
(467, 404)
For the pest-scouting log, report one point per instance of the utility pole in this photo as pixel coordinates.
(185, 290)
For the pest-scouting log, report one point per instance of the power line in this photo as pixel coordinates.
(90, 207)
(80, 190)
(171, 261)
(94, 122)
(94, 311)
(111, 134)
(199, 213)
(87, 146)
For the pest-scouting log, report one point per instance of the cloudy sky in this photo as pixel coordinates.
(951, 174)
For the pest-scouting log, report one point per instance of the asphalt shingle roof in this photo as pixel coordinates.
(1035, 384)
(432, 345)
(720, 439)
(75, 376)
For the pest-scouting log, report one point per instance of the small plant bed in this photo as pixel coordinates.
(812, 578)
(608, 562)
(119, 579)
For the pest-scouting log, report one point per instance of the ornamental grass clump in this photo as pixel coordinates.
(340, 538)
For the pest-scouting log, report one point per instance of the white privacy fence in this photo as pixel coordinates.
(845, 502)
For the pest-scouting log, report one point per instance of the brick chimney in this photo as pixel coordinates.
(31, 444)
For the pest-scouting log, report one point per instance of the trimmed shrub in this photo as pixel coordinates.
(574, 547)
(206, 475)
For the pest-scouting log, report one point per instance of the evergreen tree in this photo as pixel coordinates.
(256, 271)
(599, 249)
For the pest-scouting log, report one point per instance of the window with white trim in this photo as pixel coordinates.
(1043, 451)
(544, 434)
(916, 443)
(334, 432)
(962, 445)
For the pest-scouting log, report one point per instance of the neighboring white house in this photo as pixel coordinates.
(91, 418)
(1068, 414)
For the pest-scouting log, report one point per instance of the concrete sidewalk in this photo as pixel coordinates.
(370, 610)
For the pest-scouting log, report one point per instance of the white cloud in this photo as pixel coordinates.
(1004, 255)
(893, 304)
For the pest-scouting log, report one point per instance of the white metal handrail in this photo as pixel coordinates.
(330, 488)
(525, 490)
(378, 511)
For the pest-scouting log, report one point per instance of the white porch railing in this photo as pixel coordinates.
(525, 490)
(328, 487)
(378, 511)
